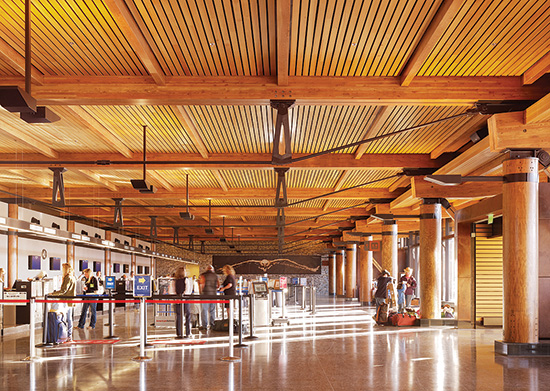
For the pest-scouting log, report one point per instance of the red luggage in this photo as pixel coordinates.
(403, 320)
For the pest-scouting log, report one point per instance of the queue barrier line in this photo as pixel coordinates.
(14, 301)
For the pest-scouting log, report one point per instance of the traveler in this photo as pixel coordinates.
(410, 284)
(181, 284)
(68, 288)
(90, 288)
(382, 288)
(209, 285)
(229, 285)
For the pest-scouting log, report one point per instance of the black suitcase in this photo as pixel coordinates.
(57, 328)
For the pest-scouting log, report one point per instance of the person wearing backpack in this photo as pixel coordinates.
(182, 284)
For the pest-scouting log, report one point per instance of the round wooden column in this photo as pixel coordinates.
(430, 260)
(389, 247)
(70, 245)
(13, 247)
(332, 274)
(340, 273)
(133, 258)
(365, 274)
(351, 268)
(520, 210)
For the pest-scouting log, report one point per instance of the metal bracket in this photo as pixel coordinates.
(153, 232)
(282, 148)
(118, 221)
(58, 186)
(176, 235)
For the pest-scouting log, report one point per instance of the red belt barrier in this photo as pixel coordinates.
(14, 301)
(86, 301)
(185, 301)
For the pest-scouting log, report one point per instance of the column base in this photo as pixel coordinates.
(438, 322)
(366, 304)
(522, 349)
(465, 324)
(341, 296)
(332, 294)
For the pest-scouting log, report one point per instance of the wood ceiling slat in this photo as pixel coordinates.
(272, 28)
(364, 176)
(312, 178)
(255, 179)
(483, 40)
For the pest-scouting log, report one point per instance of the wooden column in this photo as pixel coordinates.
(520, 204)
(340, 272)
(365, 274)
(332, 273)
(465, 305)
(351, 268)
(133, 258)
(107, 256)
(70, 245)
(389, 247)
(430, 260)
(13, 247)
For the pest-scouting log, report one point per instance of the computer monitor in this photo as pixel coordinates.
(259, 286)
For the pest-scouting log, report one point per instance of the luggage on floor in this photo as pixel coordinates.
(403, 320)
(57, 327)
(382, 313)
(223, 325)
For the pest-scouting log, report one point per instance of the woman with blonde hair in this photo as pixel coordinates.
(68, 288)
(229, 285)
(181, 284)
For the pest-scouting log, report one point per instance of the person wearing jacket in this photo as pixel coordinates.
(409, 283)
(181, 283)
(68, 288)
(91, 286)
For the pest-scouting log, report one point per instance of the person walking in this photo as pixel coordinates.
(90, 288)
(181, 284)
(229, 285)
(409, 283)
(68, 288)
(209, 285)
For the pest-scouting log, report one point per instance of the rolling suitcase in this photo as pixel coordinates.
(57, 327)
(382, 314)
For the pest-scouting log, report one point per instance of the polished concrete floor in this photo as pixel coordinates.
(338, 348)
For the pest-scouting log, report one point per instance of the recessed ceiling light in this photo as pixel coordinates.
(212, 43)
(354, 44)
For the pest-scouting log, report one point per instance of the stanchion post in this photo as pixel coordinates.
(241, 344)
(251, 317)
(142, 309)
(45, 326)
(111, 317)
(231, 357)
(283, 308)
(32, 348)
(313, 300)
(303, 298)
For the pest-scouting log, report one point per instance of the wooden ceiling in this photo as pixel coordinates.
(201, 76)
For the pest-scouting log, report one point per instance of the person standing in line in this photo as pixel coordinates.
(229, 285)
(90, 288)
(181, 284)
(410, 283)
(382, 288)
(209, 285)
(68, 288)
(401, 287)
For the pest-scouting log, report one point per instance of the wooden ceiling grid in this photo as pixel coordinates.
(211, 38)
(358, 177)
(165, 133)
(197, 178)
(484, 39)
(255, 179)
(355, 38)
(321, 127)
(242, 129)
(422, 140)
(71, 38)
(312, 178)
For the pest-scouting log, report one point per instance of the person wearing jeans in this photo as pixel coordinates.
(209, 285)
(90, 287)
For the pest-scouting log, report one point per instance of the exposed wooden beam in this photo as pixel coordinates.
(507, 131)
(536, 71)
(423, 189)
(216, 193)
(100, 130)
(325, 206)
(160, 181)
(10, 56)
(460, 136)
(480, 210)
(382, 114)
(404, 181)
(44, 182)
(96, 178)
(342, 180)
(189, 125)
(193, 90)
(478, 155)
(440, 22)
(402, 226)
(283, 40)
(135, 36)
(334, 161)
(12, 131)
(220, 180)
(489, 168)
(405, 200)
(538, 111)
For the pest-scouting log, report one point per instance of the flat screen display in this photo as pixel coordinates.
(34, 262)
(146, 270)
(97, 266)
(259, 286)
(55, 263)
(140, 270)
(83, 265)
(116, 267)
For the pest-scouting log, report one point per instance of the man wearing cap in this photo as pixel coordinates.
(209, 285)
(409, 282)
(382, 288)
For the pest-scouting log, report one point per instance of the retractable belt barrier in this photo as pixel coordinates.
(172, 299)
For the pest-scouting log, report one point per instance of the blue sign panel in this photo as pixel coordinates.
(110, 282)
(142, 286)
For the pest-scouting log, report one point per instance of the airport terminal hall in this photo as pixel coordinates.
(274, 195)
